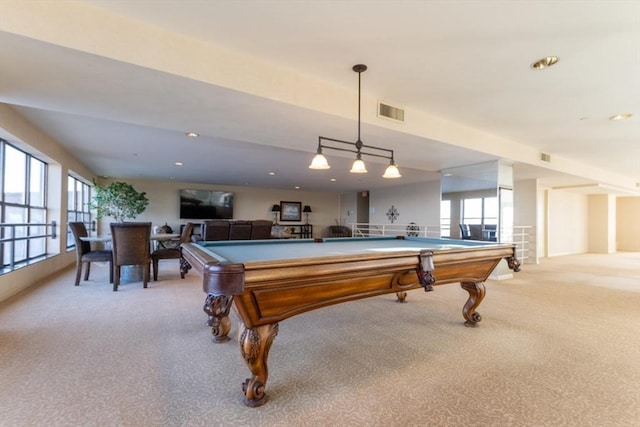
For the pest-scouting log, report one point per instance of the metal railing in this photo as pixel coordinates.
(524, 239)
(411, 229)
(523, 236)
(13, 234)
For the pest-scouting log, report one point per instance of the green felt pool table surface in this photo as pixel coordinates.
(244, 251)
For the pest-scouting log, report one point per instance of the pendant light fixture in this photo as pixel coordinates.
(320, 161)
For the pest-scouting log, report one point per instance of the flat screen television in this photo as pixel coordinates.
(206, 204)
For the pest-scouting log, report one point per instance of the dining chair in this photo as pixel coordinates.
(171, 253)
(84, 254)
(131, 243)
(465, 231)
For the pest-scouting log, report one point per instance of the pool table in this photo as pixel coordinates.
(267, 281)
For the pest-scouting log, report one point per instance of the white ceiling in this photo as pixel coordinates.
(118, 83)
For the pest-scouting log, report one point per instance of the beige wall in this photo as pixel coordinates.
(249, 203)
(628, 220)
(19, 132)
(567, 223)
(602, 223)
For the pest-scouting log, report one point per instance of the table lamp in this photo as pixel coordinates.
(275, 209)
(307, 211)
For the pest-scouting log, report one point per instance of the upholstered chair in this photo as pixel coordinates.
(84, 254)
(261, 229)
(240, 230)
(216, 230)
(171, 253)
(131, 246)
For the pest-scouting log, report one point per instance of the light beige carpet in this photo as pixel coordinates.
(559, 345)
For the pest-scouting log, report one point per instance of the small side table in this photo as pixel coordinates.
(306, 231)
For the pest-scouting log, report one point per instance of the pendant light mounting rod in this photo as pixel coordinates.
(320, 162)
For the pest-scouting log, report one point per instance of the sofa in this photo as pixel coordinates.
(224, 229)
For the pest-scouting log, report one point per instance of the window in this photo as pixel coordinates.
(24, 183)
(480, 211)
(472, 211)
(78, 197)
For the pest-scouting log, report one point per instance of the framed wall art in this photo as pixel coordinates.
(290, 211)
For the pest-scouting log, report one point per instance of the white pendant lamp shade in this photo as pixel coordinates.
(392, 171)
(319, 162)
(358, 166)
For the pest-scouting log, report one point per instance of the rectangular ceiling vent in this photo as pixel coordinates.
(390, 112)
(545, 157)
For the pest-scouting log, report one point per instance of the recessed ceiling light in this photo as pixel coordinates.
(297, 187)
(545, 62)
(178, 163)
(272, 173)
(621, 116)
(332, 180)
(192, 134)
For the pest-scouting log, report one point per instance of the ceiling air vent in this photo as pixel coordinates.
(389, 112)
(545, 157)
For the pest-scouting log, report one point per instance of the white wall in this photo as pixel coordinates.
(348, 209)
(525, 212)
(419, 203)
(567, 224)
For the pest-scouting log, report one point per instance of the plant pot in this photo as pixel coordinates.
(131, 274)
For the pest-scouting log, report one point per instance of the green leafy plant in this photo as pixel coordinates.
(118, 200)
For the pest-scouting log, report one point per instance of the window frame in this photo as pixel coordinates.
(27, 243)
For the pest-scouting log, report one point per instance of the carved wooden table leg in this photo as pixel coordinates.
(217, 308)
(476, 295)
(254, 347)
(184, 267)
(401, 296)
(513, 263)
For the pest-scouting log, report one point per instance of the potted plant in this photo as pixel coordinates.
(119, 201)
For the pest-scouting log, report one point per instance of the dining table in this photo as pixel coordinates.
(159, 238)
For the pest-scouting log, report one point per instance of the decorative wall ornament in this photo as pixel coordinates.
(392, 214)
(413, 230)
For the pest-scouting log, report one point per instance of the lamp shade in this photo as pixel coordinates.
(275, 208)
(358, 167)
(319, 162)
(306, 209)
(392, 171)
